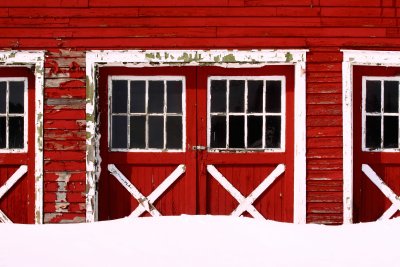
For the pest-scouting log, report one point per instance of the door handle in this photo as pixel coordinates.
(199, 148)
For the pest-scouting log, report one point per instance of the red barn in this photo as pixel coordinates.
(283, 110)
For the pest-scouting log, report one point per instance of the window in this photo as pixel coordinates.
(146, 113)
(246, 113)
(13, 114)
(380, 114)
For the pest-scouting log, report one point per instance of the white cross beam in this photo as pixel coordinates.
(8, 184)
(369, 172)
(246, 204)
(146, 203)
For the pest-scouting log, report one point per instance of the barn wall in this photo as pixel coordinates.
(67, 28)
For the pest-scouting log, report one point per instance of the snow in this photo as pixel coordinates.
(199, 241)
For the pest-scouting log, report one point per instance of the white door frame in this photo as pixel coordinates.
(223, 58)
(356, 58)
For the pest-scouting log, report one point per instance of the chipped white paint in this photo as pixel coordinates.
(146, 203)
(246, 204)
(35, 59)
(369, 172)
(8, 184)
(350, 59)
(223, 58)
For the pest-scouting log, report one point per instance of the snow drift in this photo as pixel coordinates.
(199, 241)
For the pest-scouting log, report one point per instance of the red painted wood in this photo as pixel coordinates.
(19, 202)
(369, 201)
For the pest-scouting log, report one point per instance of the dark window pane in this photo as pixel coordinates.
(236, 131)
(391, 132)
(273, 96)
(218, 96)
(119, 133)
(16, 134)
(119, 96)
(218, 132)
(138, 132)
(236, 96)
(16, 97)
(254, 131)
(391, 96)
(373, 132)
(272, 131)
(174, 96)
(138, 96)
(373, 96)
(174, 132)
(156, 132)
(3, 92)
(156, 97)
(2, 132)
(255, 96)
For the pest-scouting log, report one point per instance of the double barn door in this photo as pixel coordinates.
(196, 140)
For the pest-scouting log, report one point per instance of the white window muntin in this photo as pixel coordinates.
(282, 114)
(24, 115)
(164, 114)
(381, 114)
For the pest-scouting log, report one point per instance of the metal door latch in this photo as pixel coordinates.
(199, 148)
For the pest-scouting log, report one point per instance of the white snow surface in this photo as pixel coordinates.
(200, 241)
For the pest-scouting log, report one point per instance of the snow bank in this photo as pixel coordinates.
(199, 241)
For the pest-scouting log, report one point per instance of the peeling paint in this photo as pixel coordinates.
(289, 57)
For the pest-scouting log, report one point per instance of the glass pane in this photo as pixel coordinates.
(138, 132)
(174, 132)
(156, 132)
(174, 96)
(273, 132)
(236, 96)
(218, 132)
(391, 96)
(255, 96)
(119, 96)
(119, 132)
(273, 96)
(373, 96)
(391, 132)
(3, 92)
(373, 132)
(254, 131)
(16, 134)
(236, 131)
(156, 97)
(16, 97)
(138, 96)
(2, 132)
(218, 96)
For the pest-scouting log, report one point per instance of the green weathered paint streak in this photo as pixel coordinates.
(289, 57)
(150, 56)
(217, 59)
(39, 130)
(158, 55)
(187, 58)
(230, 58)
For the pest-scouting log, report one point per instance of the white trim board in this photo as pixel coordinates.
(33, 59)
(352, 58)
(223, 58)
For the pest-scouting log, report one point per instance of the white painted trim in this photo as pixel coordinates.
(35, 59)
(223, 58)
(350, 59)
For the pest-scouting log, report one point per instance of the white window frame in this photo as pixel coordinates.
(222, 58)
(356, 58)
(381, 114)
(33, 59)
(165, 114)
(281, 114)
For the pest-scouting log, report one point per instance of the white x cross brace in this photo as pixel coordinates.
(369, 172)
(146, 203)
(246, 204)
(8, 184)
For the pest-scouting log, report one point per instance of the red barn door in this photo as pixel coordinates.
(376, 143)
(17, 155)
(196, 140)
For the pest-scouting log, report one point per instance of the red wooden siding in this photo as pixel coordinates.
(67, 28)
